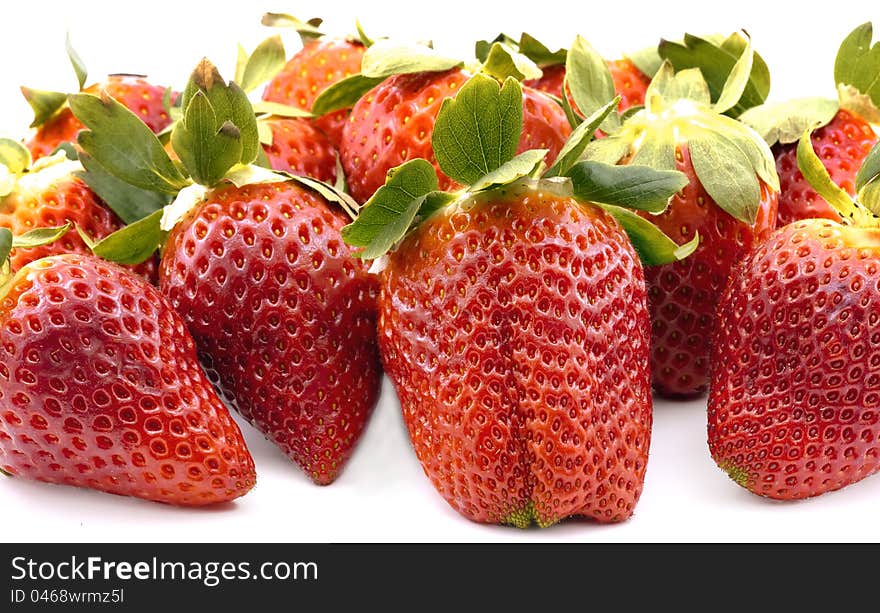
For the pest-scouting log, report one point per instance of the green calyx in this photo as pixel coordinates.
(15, 160)
(383, 59)
(729, 158)
(857, 73)
(266, 61)
(46, 104)
(861, 211)
(475, 141)
(307, 30)
(719, 59)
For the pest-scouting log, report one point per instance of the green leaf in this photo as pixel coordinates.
(330, 193)
(654, 247)
(716, 61)
(670, 86)
(5, 249)
(280, 110)
(817, 176)
(590, 82)
(785, 122)
(132, 244)
(520, 166)
(344, 94)
(386, 58)
(580, 137)
(478, 130)
(632, 187)
(609, 150)
(130, 203)
(870, 170)
(388, 215)
(574, 120)
(230, 105)
(503, 62)
(307, 30)
(657, 152)
(207, 146)
(14, 155)
(482, 47)
(727, 174)
(39, 237)
(122, 144)
(365, 40)
(539, 53)
(647, 60)
(263, 64)
(44, 104)
(737, 80)
(79, 66)
(858, 66)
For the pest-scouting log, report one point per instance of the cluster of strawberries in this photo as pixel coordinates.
(526, 244)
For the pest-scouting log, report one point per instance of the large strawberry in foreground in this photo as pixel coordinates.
(729, 203)
(795, 376)
(513, 319)
(55, 123)
(100, 387)
(843, 139)
(283, 316)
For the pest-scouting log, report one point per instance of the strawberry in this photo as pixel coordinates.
(729, 205)
(792, 403)
(55, 123)
(497, 310)
(321, 62)
(283, 316)
(51, 193)
(394, 123)
(298, 147)
(101, 388)
(843, 139)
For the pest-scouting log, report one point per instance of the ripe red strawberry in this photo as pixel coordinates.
(100, 388)
(318, 65)
(683, 295)
(513, 319)
(792, 405)
(729, 202)
(298, 147)
(844, 138)
(394, 122)
(630, 82)
(50, 194)
(283, 314)
(842, 145)
(495, 324)
(135, 92)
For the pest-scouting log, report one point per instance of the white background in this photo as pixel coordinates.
(383, 495)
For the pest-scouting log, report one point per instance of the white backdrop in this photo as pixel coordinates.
(383, 495)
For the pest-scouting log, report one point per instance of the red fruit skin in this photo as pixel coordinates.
(630, 82)
(394, 122)
(318, 65)
(794, 404)
(516, 335)
(68, 200)
(842, 145)
(298, 147)
(100, 387)
(135, 93)
(283, 316)
(683, 295)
